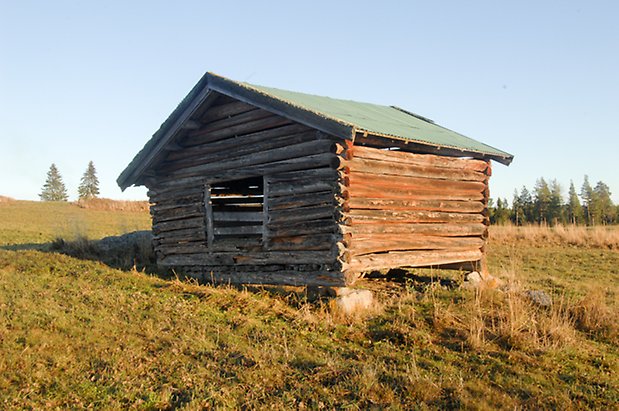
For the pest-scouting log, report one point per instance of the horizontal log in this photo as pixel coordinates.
(380, 243)
(177, 213)
(194, 222)
(426, 184)
(238, 230)
(290, 215)
(303, 200)
(325, 173)
(394, 193)
(415, 216)
(240, 150)
(445, 230)
(430, 205)
(303, 242)
(301, 163)
(382, 261)
(237, 216)
(235, 141)
(380, 167)
(185, 235)
(188, 248)
(421, 159)
(302, 227)
(295, 151)
(251, 258)
(288, 188)
(231, 121)
(284, 277)
(225, 110)
(236, 130)
(176, 194)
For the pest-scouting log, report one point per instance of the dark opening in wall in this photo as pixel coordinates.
(235, 210)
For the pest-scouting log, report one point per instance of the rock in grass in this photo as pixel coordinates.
(350, 301)
(473, 278)
(539, 298)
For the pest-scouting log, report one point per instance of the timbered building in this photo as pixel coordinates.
(250, 184)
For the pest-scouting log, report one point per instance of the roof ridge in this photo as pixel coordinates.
(410, 113)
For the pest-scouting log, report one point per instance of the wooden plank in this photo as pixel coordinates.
(363, 165)
(417, 147)
(394, 193)
(288, 188)
(240, 150)
(306, 199)
(295, 151)
(265, 211)
(430, 205)
(410, 259)
(405, 182)
(376, 243)
(251, 258)
(239, 230)
(303, 242)
(235, 141)
(178, 213)
(302, 227)
(229, 122)
(442, 229)
(166, 226)
(324, 173)
(301, 214)
(225, 110)
(237, 130)
(283, 277)
(419, 159)
(208, 216)
(237, 216)
(413, 216)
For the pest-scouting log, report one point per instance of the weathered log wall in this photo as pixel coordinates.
(202, 229)
(408, 209)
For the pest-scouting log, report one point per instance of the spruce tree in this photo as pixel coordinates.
(89, 185)
(588, 200)
(53, 189)
(574, 209)
(542, 195)
(555, 207)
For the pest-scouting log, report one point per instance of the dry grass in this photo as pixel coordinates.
(5, 199)
(593, 315)
(112, 205)
(571, 235)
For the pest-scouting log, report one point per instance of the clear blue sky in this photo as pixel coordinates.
(84, 81)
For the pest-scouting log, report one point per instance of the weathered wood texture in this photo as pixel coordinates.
(250, 197)
(415, 210)
(247, 196)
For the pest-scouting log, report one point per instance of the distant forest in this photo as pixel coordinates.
(545, 204)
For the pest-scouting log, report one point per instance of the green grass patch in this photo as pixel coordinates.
(77, 333)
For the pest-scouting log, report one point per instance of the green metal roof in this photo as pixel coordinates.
(341, 118)
(380, 120)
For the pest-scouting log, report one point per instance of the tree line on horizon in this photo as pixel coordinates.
(545, 205)
(54, 188)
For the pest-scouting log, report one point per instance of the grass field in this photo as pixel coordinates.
(76, 333)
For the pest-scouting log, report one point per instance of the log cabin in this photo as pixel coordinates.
(257, 185)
